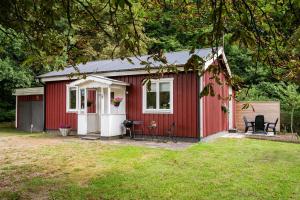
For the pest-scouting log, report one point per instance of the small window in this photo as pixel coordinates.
(71, 99)
(164, 95)
(82, 99)
(112, 96)
(159, 97)
(151, 97)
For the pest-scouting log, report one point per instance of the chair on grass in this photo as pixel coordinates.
(247, 124)
(272, 126)
(259, 125)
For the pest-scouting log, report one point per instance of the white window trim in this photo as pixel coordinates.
(85, 100)
(158, 110)
(67, 99)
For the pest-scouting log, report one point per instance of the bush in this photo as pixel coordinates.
(285, 121)
(7, 116)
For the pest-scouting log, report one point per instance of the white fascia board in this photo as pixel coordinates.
(212, 60)
(106, 74)
(29, 91)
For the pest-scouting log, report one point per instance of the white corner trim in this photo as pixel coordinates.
(201, 120)
(29, 91)
(212, 60)
(226, 64)
(158, 110)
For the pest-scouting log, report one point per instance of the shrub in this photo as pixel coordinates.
(7, 116)
(285, 121)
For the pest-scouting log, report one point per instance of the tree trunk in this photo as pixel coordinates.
(292, 120)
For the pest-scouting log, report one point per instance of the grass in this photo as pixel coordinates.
(74, 169)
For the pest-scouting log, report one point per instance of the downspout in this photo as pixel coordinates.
(44, 103)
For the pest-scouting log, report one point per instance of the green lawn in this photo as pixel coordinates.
(42, 167)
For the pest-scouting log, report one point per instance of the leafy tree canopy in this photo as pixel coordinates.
(67, 32)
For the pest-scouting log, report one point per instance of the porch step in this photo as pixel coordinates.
(91, 137)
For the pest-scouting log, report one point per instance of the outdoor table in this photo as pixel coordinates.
(253, 124)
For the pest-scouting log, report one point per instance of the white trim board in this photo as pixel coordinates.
(29, 91)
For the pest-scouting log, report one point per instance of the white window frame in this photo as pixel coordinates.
(67, 99)
(158, 110)
(85, 100)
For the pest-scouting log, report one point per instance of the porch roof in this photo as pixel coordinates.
(98, 79)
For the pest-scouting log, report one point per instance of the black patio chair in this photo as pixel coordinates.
(272, 126)
(259, 125)
(171, 132)
(248, 124)
(138, 128)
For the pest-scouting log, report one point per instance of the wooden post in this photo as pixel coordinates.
(108, 100)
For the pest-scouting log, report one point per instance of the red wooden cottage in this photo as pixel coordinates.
(88, 104)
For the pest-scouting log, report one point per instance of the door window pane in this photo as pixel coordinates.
(72, 98)
(82, 99)
(151, 97)
(164, 95)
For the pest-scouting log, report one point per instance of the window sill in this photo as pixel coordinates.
(157, 111)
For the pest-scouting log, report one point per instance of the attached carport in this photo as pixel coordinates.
(30, 109)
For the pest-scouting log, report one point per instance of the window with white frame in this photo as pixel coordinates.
(72, 99)
(82, 96)
(158, 98)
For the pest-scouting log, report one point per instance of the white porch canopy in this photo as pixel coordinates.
(107, 118)
(94, 81)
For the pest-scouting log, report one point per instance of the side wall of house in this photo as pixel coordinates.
(55, 99)
(214, 119)
(185, 103)
(185, 113)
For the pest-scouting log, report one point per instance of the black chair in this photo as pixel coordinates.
(248, 124)
(259, 124)
(138, 128)
(272, 126)
(171, 132)
(152, 129)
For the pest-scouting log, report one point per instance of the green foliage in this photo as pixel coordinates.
(12, 74)
(285, 121)
(7, 115)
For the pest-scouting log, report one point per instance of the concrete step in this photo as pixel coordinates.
(91, 137)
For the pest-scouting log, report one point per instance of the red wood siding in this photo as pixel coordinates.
(30, 98)
(185, 105)
(215, 120)
(56, 106)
